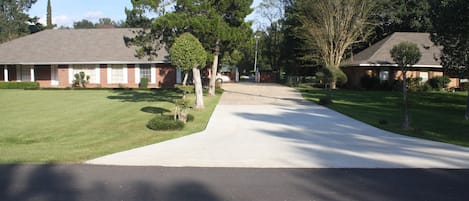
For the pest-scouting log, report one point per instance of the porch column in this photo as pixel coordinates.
(32, 74)
(5, 73)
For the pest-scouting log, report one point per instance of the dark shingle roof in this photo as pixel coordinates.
(98, 46)
(378, 54)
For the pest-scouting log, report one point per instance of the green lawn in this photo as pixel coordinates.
(76, 125)
(436, 116)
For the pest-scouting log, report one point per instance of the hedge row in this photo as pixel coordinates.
(19, 85)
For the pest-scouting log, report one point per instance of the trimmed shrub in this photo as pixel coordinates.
(414, 84)
(185, 89)
(164, 123)
(143, 83)
(425, 87)
(325, 100)
(464, 86)
(439, 82)
(369, 82)
(19, 85)
(190, 117)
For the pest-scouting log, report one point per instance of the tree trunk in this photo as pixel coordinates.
(184, 81)
(333, 85)
(213, 76)
(405, 122)
(199, 96)
(467, 105)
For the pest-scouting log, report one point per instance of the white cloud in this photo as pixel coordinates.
(94, 15)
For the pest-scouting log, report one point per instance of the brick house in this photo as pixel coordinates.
(52, 57)
(376, 60)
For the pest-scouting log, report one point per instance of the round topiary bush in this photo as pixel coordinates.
(190, 117)
(162, 122)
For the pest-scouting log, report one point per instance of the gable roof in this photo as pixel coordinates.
(378, 54)
(74, 46)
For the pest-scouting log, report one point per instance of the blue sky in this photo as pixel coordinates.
(65, 12)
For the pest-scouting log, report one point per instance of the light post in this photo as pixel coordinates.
(255, 59)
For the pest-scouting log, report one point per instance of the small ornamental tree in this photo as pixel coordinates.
(405, 54)
(188, 53)
(80, 80)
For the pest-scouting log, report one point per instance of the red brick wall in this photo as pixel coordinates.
(165, 76)
(131, 76)
(62, 76)
(103, 74)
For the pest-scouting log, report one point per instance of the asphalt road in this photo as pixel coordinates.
(86, 182)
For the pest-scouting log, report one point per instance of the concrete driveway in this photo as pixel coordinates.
(271, 126)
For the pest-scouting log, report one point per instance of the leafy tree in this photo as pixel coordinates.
(13, 19)
(404, 15)
(405, 54)
(334, 25)
(83, 24)
(35, 26)
(219, 25)
(451, 24)
(232, 58)
(188, 53)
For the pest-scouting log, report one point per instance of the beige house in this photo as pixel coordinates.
(376, 60)
(52, 57)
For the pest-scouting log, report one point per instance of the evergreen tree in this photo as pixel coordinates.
(49, 16)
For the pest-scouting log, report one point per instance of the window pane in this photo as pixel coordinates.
(89, 70)
(117, 73)
(145, 71)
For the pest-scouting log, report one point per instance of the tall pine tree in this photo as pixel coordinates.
(49, 16)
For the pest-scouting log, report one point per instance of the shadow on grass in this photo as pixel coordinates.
(154, 110)
(154, 95)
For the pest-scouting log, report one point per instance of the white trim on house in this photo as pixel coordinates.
(53, 75)
(137, 73)
(125, 74)
(5, 73)
(31, 74)
(98, 74)
(70, 74)
(395, 65)
(109, 74)
(153, 74)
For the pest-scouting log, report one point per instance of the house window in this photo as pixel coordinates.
(25, 73)
(118, 74)
(145, 71)
(89, 70)
(384, 75)
(424, 76)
